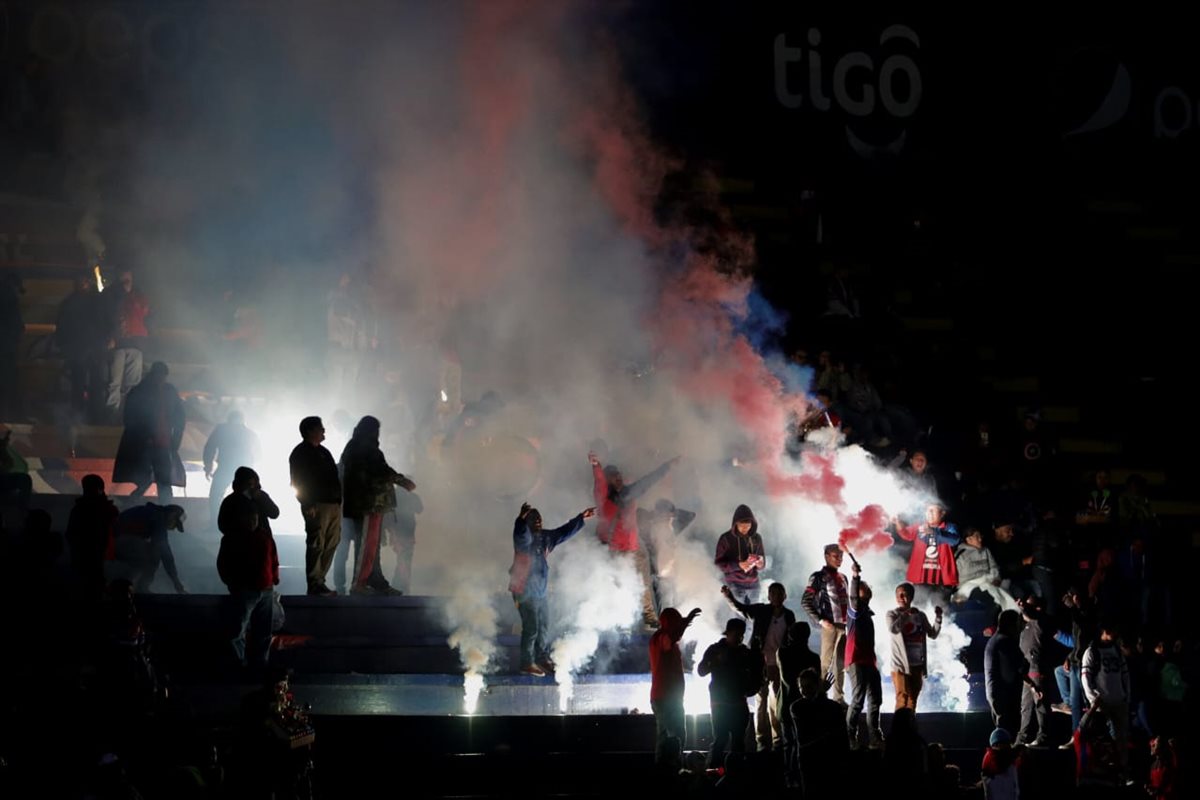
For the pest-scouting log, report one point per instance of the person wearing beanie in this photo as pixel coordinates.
(667, 684)
(528, 578)
(1000, 768)
(827, 602)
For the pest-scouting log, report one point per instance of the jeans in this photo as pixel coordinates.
(1070, 689)
(668, 723)
(124, 373)
(535, 624)
(766, 715)
(866, 686)
(250, 612)
(729, 721)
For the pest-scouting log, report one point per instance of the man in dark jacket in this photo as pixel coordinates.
(142, 544)
(736, 674)
(319, 490)
(368, 492)
(771, 623)
(249, 566)
(1004, 671)
(149, 449)
(90, 537)
(827, 601)
(860, 662)
(529, 577)
(1037, 643)
(667, 684)
(740, 555)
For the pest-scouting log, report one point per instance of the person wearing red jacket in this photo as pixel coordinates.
(931, 562)
(616, 520)
(249, 565)
(667, 684)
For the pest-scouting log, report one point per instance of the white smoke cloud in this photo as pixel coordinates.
(596, 591)
(462, 160)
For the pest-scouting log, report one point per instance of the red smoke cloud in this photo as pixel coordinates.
(866, 531)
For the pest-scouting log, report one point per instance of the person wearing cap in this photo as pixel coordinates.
(736, 675)
(141, 544)
(1001, 763)
(616, 520)
(528, 578)
(827, 601)
(149, 449)
(771, 621)
(740, 555)
(931, 562)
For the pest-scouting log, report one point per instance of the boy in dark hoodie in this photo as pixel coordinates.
(861, 664)
(667, 684)
(771, 622)
(90, 537)
(740, 555)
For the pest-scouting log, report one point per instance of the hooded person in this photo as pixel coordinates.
(667, 684)
(740, 555)
(529, 578)
(616, 520)
(248, 564)
(367, 493)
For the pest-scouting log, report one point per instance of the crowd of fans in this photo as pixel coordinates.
(1078, 586)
